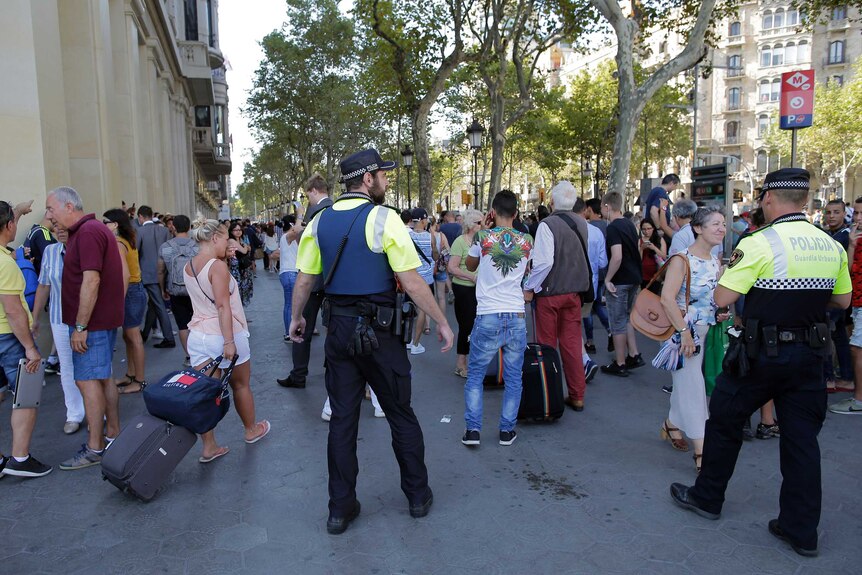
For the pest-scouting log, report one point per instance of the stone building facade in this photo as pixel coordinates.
(124, 100)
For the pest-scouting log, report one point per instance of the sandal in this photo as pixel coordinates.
(256, 438)
(679, 444)
(841, 386)
(123, 388)
(461, 372)
(221, 452)
(697, 457)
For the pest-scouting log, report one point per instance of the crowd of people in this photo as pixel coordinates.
(130, 270)
(562, 265)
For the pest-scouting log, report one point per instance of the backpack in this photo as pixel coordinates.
(176, 284)
(31, 278)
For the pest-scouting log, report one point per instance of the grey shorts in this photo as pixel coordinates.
(620, 307)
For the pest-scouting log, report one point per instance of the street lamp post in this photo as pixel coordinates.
(407, 161)
(474, 134)
(586, 170)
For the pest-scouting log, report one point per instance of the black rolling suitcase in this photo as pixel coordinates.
(148, 449)
(542, 381)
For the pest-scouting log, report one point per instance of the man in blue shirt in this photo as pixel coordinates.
(657, 202)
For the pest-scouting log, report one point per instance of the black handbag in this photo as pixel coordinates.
(190, 398)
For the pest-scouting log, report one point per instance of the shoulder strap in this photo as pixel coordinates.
(420, 252)
(663, 270)
(195, 273)
(342, 244)
(572, 224)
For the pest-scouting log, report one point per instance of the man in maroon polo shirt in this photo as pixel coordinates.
(93, 303)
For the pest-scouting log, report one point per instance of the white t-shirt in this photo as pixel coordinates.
(270, 242)
(287, 259)
(503, 255)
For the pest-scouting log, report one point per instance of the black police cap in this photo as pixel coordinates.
(787, 179)
(362, 162)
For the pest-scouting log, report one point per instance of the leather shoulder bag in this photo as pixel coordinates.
(648, 316)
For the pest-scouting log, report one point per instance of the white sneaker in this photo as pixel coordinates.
(409, 347)
(379, 413)
(417, 349)
(325, 416)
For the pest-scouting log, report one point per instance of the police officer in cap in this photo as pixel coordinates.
(360, 247)
(789, 271)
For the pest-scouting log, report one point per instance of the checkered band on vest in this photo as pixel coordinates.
(796, 283)
(785, 185)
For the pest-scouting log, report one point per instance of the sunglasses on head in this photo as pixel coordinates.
(107, 221)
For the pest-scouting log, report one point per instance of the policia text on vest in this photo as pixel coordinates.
(789, 272)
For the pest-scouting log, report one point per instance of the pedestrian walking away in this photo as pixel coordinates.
(360, 248)
(317, 192)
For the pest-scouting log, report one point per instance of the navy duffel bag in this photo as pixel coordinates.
(191, 398)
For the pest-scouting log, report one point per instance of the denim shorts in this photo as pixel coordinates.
(96, 362)
(11, 351)
(620, 307)
(136, 305)
(856, 337)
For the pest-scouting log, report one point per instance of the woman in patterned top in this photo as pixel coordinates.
(688, 406)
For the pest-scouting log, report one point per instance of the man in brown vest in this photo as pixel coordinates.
(561, 272)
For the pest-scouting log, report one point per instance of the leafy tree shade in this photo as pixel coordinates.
(411, 48)
(304, 104)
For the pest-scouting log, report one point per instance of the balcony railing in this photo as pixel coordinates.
(731, 141)
(735, 72)
(734, 106)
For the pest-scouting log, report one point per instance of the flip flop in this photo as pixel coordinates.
(266, 428)
(222, 451)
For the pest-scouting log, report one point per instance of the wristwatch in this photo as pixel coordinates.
(80, 328)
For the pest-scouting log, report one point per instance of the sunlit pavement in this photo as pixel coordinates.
(587, 494)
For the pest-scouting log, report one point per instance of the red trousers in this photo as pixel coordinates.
(558, 319)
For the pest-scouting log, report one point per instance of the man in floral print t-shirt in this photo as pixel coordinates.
(853, 405)
(500, 253)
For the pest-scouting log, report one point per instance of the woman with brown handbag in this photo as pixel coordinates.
(688, 405)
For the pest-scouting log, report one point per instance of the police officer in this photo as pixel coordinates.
(360, 247)
(789, 271)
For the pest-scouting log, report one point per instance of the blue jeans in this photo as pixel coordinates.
(490, 333)
(842, 349)
(600, 312)
(288, 280)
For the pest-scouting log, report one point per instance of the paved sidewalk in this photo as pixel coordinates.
(587, 494)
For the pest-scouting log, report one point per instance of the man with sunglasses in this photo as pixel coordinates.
(790, 272)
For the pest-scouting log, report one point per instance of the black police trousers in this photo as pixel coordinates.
(301, 352)
(794, 381)
(387, 371)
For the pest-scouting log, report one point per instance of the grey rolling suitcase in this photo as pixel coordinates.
(143, 456)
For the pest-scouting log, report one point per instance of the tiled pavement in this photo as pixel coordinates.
(587, 494)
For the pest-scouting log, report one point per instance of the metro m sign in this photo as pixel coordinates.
(797, 99)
